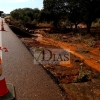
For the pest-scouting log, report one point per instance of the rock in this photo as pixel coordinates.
(64, 38)
(81, 64)
(98, 61)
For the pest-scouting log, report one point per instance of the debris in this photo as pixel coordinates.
(86, 51)
(81, 64)
(64, 38)
(98, 61)
(77, 60)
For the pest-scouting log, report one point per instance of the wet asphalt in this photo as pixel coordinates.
(30, 80)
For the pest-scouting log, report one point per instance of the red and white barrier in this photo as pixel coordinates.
(2, 26)
(7, 91)
(4, 49)
(3, 87)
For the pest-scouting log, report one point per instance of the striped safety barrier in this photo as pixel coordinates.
(3, 88)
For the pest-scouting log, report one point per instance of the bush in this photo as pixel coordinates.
(83, 76)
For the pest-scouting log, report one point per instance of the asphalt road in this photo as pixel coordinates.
(31, 82)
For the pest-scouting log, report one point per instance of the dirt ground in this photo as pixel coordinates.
(84, 62)
(84, 54)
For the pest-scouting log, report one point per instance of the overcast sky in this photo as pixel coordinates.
(8, 5)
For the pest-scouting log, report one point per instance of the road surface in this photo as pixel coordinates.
(31, 82)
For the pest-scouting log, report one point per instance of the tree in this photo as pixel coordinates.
(74, 12)
(26, 19)
(1, 12)
(90, 10)
(17, 14)
(83, 11)
(32, 13)
(53, 10)
(44, 15)
(26, 15)
(36, 13)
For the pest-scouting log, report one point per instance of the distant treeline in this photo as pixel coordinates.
(60, 13)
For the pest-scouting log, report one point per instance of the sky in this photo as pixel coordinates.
(9, 5)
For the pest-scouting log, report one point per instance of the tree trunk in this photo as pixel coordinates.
(75, 28)
(55, 24)
(88, 27)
